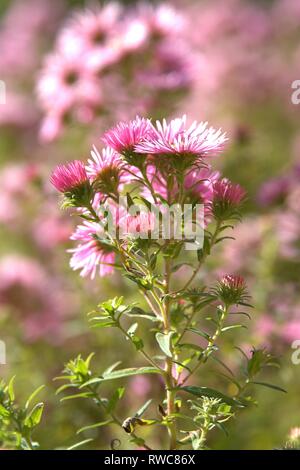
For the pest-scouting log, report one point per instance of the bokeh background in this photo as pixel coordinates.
(232, 63)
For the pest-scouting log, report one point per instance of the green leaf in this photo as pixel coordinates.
(118, 374)
(78, 395)
(194, 347)
(139, 312)
(4, 412)
(265, 384)
(103, 324)
(79, 444)
(112, 367)
(232, 327)
(200, 333)
(10, 389)
(33, 395)
(129, 372)
(93, 426)
(142, 410)
(211, 393)
(117, 395)
(164, 341)
(34, 416)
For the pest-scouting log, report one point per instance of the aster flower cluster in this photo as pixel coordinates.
(160, 166)
(104, 47)
(170, 163)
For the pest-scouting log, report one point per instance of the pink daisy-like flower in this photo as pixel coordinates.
(90, 29)
(68, 177)
(225, 191)
(91, 255)
(175, 138)
(105, 171)
(126, 135)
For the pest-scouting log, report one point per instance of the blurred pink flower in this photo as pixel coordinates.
(24, 287)
(290, 331)
(140, 386)
(172, 68)
(50, 228)
(274, 191)
(93, 28)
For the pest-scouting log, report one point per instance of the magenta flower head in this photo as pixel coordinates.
(232, 290)
(72, 180)
(189, 145)
(127, 135)
(227, 199)
(105, 171)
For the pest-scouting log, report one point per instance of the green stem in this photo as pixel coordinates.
(169, 363)
(205, 354)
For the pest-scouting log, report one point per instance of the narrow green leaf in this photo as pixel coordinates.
(4, 412)
(78, 395)
(200, 333)
(232, 327)
(194, 347)
(117, 395)
(10, 389)
(143, 408)
(265, 384)
(33, 395)
(112, 367)
(209, 392)
(129, 372)
(34, 416)
(79, 444)
(93, 426)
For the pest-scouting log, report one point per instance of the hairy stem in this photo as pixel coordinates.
(169, 363)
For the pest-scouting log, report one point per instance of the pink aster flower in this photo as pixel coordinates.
(68, 177)
(126, 135)
(231, 289)
(233, 281)
(163, 20)
(65, 81)
(105, 171)
(90, 29)
(175, 138)
(225, 191)
(91, 255)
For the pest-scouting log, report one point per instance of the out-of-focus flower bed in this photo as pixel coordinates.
(71, 71)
